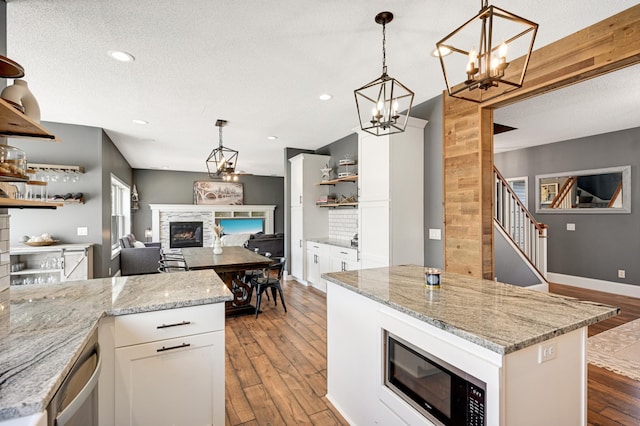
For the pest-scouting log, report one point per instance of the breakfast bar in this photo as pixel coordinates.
(176, 320)
(521, 353)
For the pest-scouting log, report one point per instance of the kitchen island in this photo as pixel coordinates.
(527, 347)
(44, 327)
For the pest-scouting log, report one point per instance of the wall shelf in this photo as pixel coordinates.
(13, 123)
(57, 167)
(12, 203)
(353, 178)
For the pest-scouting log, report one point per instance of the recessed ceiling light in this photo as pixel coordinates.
(121, 56)
(325, 97)
(272, 138)
(443, 51)
(140, 122)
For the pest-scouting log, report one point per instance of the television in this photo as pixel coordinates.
(249, 225)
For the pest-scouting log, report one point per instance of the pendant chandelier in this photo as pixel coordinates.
(380, 102)
(222, 161)
(478, 51)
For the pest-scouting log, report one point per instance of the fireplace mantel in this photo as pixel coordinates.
(162, 214)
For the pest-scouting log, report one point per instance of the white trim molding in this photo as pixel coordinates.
(630, 290)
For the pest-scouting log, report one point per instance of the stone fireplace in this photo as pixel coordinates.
(163, 215)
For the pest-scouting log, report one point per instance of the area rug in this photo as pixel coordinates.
(617, 349)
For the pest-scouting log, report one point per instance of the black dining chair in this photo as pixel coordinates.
(270, 279)
(172, 262)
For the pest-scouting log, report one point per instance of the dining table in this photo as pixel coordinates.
(231, 265)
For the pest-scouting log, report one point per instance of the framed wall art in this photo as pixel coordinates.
(218, 193)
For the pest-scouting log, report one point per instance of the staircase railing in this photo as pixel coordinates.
(527, 234)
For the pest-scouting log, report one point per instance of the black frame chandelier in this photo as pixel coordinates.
(222, 161)
(381, 101)
(483, 60)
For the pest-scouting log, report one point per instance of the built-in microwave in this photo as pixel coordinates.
(439, 391)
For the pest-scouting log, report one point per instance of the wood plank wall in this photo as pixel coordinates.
(609, 45)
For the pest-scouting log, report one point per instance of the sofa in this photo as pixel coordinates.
(138, 258)
(267, 243)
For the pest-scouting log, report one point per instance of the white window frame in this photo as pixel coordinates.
(120, 207)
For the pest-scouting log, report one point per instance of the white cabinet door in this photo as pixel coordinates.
(171, 382)
(297, 174)
(313, 267)
(297, 249)
(374, 234)
(317, 264)
(373, 168)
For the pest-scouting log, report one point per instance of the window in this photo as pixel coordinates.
(120, 212)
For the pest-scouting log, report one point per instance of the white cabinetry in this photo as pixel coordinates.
(169, 367)
(307, 220)
(318, 262)
(51, 264)
(391, 197)
(324, 258)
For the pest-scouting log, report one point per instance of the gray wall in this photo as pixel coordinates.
(601, 243)
(431, 111)
(169, 187)
(508, 265)
(79, 145)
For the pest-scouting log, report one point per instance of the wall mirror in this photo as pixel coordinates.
(605, 190)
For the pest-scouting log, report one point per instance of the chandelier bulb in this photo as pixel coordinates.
(502, 51)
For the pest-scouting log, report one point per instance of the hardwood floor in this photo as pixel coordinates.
(612, 399)
(276, 364)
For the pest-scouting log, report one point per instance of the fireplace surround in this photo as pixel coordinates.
(163, 214)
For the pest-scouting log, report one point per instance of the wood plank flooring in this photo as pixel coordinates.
(276, 364)
(612, 399)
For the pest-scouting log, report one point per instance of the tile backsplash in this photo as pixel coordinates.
(343, 224)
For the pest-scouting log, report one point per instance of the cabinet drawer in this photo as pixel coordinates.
(167, 324)
(350, 255)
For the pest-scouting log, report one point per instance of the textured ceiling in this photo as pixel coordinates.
(259, 65)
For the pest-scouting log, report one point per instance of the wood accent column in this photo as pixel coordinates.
(609, 45)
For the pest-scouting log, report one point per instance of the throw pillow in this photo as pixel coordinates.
(138, 244)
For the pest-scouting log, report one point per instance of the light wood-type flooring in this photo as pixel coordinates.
(276, 365)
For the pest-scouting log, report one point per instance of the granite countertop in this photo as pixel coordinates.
(333, 242)
(43, 327)
(500, 317)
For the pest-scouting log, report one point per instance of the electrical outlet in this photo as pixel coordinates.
(621, 273)
(546, 352)
(435, 234)
(571, 226)
(83, 231)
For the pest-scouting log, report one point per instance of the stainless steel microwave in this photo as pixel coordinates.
(439, 391)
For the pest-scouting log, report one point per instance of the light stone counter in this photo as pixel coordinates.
(500, 317)
(44, 327)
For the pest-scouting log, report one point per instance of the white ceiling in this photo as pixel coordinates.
(259, 65)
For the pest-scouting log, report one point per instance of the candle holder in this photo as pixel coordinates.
(432, 277)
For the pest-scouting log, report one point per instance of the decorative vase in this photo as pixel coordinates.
(217, 246)
(20, 94)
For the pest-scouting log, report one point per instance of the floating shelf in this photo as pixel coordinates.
(13, 123)
(11, 203)
(37, 166)
(353, 178)
(68, 201)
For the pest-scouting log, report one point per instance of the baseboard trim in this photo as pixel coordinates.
(593, 284)
(544, 287)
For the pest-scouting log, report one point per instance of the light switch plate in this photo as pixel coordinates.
(435, 234)
(83, 231)
(571, 226)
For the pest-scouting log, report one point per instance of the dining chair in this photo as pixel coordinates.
(270, 279)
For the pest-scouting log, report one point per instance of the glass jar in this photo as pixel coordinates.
(13, 162)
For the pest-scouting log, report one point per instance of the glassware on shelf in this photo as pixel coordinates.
(36, 190)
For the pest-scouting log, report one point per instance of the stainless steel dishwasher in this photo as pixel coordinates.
(76, 401)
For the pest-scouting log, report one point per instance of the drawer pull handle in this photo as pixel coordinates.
(173, 325)
(184, 345)
(343, 252)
